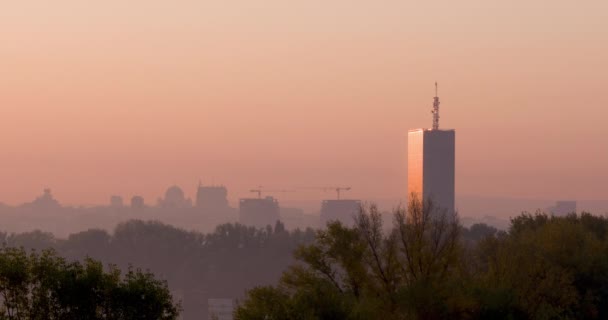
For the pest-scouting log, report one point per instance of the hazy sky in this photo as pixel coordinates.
(129, 97)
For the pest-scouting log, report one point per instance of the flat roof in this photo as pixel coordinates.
(429, 129)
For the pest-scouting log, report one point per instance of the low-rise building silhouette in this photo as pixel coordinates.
(259, 212)
(221, 309)
(212, 198)
(562, 208)
(46, 201)
(174, 198)
(343, 211)
(116, 202)
(137, 202)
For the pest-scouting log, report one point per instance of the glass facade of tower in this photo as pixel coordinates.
(431, 166)
(415, 165)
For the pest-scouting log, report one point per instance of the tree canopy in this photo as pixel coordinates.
(197, 266)
(428, 267)
(46, 287)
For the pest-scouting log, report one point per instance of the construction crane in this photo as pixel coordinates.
(337, 189)
(260, 189)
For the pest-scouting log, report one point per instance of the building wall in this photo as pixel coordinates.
(212, 198)
(563, 208)
(415, 165)
(431, 166)
(439, 168)
(258, 212)
(220, 309)
(344, 211)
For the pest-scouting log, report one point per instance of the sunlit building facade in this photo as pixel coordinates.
(431, 166)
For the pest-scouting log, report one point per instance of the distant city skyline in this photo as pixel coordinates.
(127, 98)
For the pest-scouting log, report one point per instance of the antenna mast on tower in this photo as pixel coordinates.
(435, 111)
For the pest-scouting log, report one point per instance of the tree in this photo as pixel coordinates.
(94, 243)
(225, 262)
(545, 267)
(548, 267)
(45, 286)
(478, 232)
(429, 242)
(363, 273)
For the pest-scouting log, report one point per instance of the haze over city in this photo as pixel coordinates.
(131, 97)
(322, 160)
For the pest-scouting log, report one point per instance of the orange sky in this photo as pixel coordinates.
(128, 97)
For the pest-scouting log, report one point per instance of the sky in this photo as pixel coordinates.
(129, 97)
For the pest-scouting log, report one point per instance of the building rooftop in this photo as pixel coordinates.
(429, 129)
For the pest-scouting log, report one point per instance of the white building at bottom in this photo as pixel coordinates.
(221, 309)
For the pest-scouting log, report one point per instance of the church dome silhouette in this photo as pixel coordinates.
(174, 193)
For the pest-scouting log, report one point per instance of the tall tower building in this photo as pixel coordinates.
(431, 162)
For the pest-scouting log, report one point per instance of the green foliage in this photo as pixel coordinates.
(222, 263)
(428, 267)
(478, 232)
(362, 273)
(45, 286)
(556, 267)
